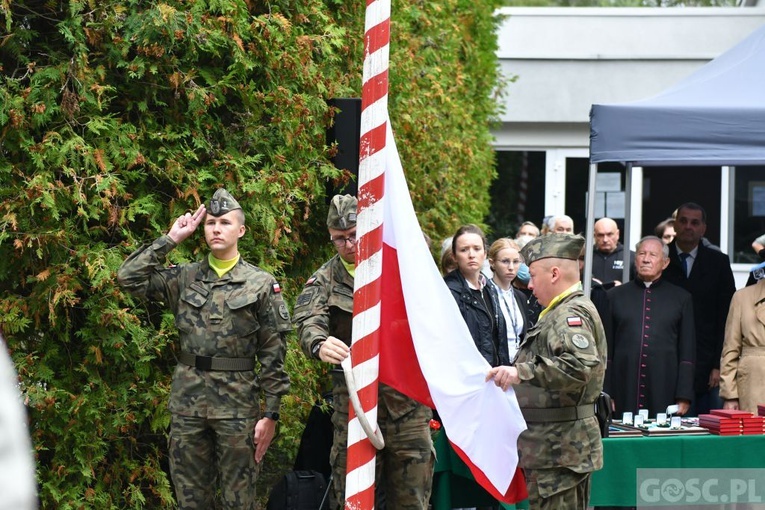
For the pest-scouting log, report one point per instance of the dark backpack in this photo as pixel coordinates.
(300, 490)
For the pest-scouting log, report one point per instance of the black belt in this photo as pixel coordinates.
(215, 363)
(534, 414)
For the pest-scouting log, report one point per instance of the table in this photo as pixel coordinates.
(453, 483)
(616, 483)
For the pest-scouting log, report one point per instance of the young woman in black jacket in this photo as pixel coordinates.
(476, 298)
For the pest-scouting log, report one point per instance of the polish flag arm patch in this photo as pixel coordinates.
(574, 321)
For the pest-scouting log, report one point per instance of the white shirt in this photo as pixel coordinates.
(513, 318)
(691, 258)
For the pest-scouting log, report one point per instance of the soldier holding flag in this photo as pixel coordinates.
(558, 375)
(324, 316)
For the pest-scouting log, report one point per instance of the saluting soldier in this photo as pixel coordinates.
(230, 316)
(324, 315)
(558, 375)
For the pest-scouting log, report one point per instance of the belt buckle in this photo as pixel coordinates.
(203, 363)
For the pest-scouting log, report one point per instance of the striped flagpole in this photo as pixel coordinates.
(360, 479)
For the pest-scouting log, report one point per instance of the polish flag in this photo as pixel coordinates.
(427, 353)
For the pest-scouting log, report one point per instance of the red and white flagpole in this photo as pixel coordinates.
(360, 479)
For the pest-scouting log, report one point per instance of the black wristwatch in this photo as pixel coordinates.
(316, 348)
(271, 415)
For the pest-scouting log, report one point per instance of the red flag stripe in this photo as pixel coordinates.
(370, 144)
(374, 90)
(377, 37)
(361, 348)
(364, 499)
(428, 353)
(373, 238)
(515, 492)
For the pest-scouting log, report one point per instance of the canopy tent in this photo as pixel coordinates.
(716, 117)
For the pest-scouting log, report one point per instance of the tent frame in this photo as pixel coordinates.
(590, 226)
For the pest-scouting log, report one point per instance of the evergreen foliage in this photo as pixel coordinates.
(116, 116)
(623, 3)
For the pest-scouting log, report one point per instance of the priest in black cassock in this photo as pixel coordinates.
(651, 341)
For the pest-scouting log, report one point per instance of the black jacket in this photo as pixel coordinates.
(486, 326)
(608, 267)
(712, 286)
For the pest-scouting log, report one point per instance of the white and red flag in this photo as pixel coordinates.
(427, 352)
(407, 329)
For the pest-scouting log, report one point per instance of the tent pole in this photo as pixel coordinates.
(627, 224)
(588, 233)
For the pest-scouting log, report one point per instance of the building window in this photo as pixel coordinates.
(518, 192)
(748, 220)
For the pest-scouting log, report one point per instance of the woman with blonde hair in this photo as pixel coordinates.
(505, 260)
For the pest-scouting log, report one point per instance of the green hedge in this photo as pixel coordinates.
(117, 116)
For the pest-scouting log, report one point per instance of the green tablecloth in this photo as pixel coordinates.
(615, 484)
(453, 483)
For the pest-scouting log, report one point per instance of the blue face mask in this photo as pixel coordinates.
(758, 271)
(523, 274)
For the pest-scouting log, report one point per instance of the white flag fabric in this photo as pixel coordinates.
(427, 352)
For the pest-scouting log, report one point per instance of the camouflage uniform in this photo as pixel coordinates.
(405, 466)
(239, 315)
(561, 364)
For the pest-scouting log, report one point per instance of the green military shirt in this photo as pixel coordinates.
(325, 307)
(561, 363)
(239, 315)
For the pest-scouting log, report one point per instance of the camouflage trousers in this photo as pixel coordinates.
(209, 454)
(404, 468)
(557, 489)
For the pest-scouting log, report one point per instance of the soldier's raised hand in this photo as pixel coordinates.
(186, 224)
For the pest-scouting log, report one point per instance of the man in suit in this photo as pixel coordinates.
(706, 274)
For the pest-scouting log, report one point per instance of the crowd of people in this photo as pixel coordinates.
(676, 332)
(654, 340)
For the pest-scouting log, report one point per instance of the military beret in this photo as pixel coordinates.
(342, 212)
(222, 203)
(559, 246)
